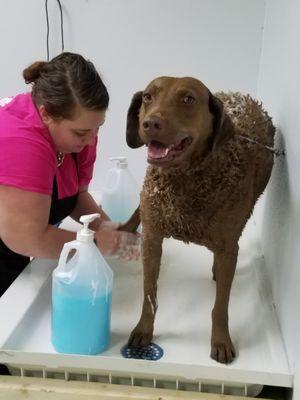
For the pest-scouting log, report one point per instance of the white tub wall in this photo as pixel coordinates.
(279, 83)
(132, 42)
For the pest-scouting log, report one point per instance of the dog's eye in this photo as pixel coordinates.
(147, 97)
(189, 99)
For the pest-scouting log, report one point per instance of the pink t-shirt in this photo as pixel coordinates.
(27, 154)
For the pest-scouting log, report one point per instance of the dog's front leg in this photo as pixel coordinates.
(222, 349)
(151, 256)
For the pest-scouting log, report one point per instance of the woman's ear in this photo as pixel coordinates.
(222, 126)
(132, 130)
(45, 117)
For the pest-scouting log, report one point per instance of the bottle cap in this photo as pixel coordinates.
(86, 234)
(121, 161)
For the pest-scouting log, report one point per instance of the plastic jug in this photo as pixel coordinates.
(121, 194)
(81, 296)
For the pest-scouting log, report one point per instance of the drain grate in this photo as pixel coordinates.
(150, 352)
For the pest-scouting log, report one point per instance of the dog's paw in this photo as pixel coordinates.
(223, 352)
(139, 337)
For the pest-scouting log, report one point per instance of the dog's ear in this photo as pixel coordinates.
(222, 126)
(132, 130)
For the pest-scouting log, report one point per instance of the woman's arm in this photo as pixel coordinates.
(25, 230)
(24, 224)
(87, 205)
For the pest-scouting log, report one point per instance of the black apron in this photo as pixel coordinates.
(12, 264)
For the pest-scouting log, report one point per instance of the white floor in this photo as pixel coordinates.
(183, 323)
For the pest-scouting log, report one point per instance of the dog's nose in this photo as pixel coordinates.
(153, 124)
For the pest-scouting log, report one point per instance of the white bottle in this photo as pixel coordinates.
(120, 194)
(81, 296)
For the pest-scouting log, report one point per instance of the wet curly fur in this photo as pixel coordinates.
(204, 194)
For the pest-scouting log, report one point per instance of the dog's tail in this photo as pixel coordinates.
(133, 223)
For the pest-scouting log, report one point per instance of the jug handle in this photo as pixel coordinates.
(61, 271)
(109, 187)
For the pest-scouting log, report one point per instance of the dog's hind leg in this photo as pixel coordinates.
(222, 349)
(151, 255)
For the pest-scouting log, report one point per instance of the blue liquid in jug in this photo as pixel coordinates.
(80, 325)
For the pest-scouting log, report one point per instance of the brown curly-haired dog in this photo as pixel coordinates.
(206, 172)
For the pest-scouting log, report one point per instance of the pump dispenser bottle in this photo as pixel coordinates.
(120, 194)
(81, 296)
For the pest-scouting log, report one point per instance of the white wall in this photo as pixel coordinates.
(133, 41)
(279, 83)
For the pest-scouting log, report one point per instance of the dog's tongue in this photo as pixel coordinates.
(157, 149)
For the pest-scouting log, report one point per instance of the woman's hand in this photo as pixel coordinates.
(120, 244)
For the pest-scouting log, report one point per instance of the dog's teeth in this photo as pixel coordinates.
(160, 152)
(157, 154)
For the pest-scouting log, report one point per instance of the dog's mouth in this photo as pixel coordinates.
(159, 152)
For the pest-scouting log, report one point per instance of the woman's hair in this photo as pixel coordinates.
(65, 82)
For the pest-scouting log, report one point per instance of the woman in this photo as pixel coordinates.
(48, 144)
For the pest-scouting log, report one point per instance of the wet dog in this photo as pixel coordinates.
(209, 163)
